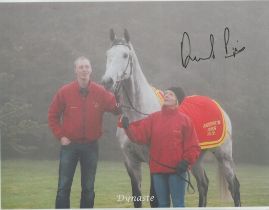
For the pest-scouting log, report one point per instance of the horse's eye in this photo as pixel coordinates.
(125, 55)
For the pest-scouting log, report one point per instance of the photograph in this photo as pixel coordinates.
(134, 104)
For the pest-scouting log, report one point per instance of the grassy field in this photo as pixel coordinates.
(32, 184)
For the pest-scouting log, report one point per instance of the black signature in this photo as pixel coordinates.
(186, 47)
(226, 42)
(185, 60)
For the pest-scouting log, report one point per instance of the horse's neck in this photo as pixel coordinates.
(140, 93)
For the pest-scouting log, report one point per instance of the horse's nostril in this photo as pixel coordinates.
(107, 83)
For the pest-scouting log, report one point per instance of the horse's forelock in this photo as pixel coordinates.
(120, 42)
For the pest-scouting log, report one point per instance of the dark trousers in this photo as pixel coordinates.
(87, 155)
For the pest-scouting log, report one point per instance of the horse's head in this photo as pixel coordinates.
(119, 63)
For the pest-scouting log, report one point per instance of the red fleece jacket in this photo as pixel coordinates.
(171, 136)
(77, 117)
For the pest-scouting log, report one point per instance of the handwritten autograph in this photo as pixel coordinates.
(186, 54)
(226, 42)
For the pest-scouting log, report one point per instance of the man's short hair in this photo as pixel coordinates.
(79, 59)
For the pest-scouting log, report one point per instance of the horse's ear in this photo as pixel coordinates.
(126, 35)
(112, 35)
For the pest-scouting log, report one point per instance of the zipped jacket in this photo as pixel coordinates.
(79, 117)
(171, 137)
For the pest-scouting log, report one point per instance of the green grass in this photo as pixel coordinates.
(32, 184)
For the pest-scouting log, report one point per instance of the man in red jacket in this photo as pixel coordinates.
(75, 118)
(173, 147)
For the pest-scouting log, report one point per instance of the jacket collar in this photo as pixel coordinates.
(82, 91)
(78, 87)
(169, 111)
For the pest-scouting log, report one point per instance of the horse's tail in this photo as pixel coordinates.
(224, 192)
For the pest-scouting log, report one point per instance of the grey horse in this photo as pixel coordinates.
(124, 76)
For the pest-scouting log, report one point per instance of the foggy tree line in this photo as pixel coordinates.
(25, 133)
(37, 53)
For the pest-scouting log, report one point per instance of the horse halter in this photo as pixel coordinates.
(129, 63)
(119, 83)
(122, 77)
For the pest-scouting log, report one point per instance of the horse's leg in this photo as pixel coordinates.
(225, 159)
(134, 170)
(132, 164)
(201, 180)
(154, 201)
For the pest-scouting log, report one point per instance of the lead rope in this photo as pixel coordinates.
(188, 180)
(131, 104)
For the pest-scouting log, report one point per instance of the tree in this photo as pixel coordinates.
(20, 135)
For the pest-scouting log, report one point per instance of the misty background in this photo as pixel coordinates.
(40, 41)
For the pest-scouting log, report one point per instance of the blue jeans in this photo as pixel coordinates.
(167, 185)
(87, 154)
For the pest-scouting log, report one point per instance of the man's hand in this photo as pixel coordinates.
(65, 141)
(119, 110)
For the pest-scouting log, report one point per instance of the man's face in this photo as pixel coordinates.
(83, 69)
(170, 98)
